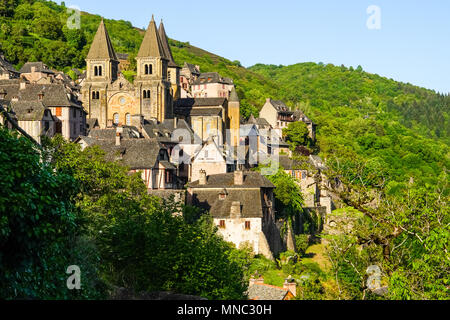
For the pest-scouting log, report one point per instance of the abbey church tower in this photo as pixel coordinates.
(151, 79)
(109, 97)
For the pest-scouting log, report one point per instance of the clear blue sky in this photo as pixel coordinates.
(413, 44)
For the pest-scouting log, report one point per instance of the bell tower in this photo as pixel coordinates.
(151, 79)
(102, 68)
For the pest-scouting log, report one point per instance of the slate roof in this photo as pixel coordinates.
(226, 180)
(192, 68)
(162, 131)
(55, 95)
(200, 102)
(267, 292)
(110, 134)
(166, 46)
(290, 164)
(102, 47)
(133, 153)
(212, 77)
(40, 67)
(28, 110)
(233, 96)
(6, 65)
(151, 45)
(250, 200)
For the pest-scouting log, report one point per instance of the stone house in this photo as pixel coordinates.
(34, 118)
(209, 159)
(211, 85)
(279, 116)
(64, 105)
(242, 206)
(144, 156)
(36, 71)
(188, 74)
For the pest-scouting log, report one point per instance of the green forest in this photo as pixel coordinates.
(387, 142)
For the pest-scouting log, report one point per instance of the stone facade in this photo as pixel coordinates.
(111, 99)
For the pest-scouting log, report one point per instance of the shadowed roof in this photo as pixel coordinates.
(166, 46)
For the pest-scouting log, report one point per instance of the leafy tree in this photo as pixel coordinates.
(39, 227)
(297, 134)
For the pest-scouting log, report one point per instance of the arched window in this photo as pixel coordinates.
(97, 95)
(146, 69)
(128, 119)
(116, 118)
(146, 94)
(95, 71)
(100, 73)
(93, 95)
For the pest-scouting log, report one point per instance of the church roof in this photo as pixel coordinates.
(151, 45)
(166, 46)
(234, 96)
(102, 47)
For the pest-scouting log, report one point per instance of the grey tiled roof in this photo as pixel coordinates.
(250, 200)
(226, 180)
(200, 102)
(192, 69)
(266, 292)
(55, 95)
(166, 46)
(28, 110)
(40, 67)
(133, 153)
(212, 77)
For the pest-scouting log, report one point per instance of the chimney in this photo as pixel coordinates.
(23, 86)
(175, 122)
(41, 96)
(256, 279)
(202, 180)
(235, 210)
(291, 285)
(238, 178)
(33, 69)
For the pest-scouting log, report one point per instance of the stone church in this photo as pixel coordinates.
(111, 99)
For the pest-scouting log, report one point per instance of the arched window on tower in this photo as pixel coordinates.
(146, 94)
(146, 69)
(100, 71)
(95, 71)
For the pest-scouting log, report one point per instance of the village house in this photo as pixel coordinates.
(188, 74)
(279, 116)
(144, 156)
(34, 118)
(242, 206)
(36, 71)
(64, 105)
(211, 85)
